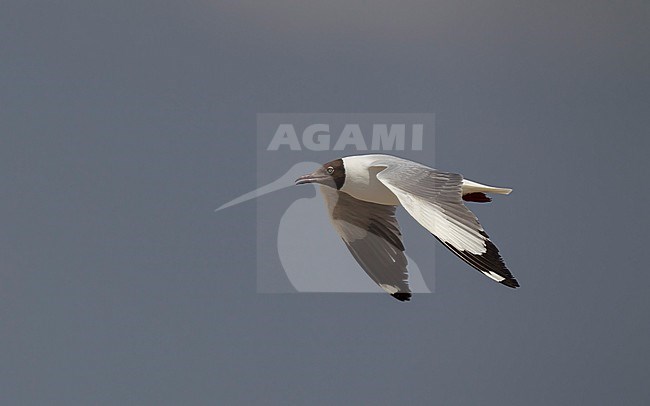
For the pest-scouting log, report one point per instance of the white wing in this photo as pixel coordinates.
(434, 199)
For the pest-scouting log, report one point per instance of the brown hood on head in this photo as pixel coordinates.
(339, 172)
(331, 174)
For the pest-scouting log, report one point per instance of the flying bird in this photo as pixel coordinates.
(362, 194)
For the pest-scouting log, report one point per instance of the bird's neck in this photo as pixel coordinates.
(361, 183)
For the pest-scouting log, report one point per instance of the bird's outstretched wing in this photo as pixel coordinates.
(371, 233)
(434, 199)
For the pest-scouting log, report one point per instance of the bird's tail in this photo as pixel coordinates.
(473, 187)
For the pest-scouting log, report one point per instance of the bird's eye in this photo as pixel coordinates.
(330, 170)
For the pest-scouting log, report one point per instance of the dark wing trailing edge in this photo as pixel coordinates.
(372, 234)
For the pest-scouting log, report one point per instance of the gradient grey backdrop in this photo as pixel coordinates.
(123, 124)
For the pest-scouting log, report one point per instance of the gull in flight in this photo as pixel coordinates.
(362, 193)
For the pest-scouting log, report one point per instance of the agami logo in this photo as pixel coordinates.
(317, 137)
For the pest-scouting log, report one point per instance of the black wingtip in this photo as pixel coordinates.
(488, 263)
(511, 283)
(402, 296)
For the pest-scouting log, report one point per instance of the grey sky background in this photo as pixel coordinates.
(123, 124)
